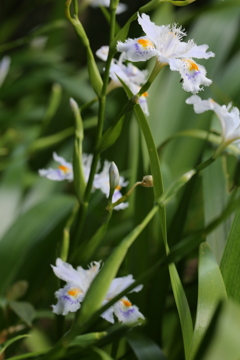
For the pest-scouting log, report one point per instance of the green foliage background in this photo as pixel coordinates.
(48, 66)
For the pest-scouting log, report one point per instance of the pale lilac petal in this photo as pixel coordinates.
(140, 49)
(192, 74)
(126, 312)
(69, 299)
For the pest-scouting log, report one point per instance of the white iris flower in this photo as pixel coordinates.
(130, 74)
(228, 116)
(165, 43)
(64, 170)
(78, 281)
(123, 308)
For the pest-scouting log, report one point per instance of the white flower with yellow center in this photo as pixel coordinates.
(123, 309)
(129, 74)
(64, 170)
(165, 43)
(78, 281)
(101, 182)
(228, 116)
(106, 3)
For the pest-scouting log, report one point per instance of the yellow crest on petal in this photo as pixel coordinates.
(65, 169)
(145, 43)
(126, 302)
(191, 65)
(74, 292)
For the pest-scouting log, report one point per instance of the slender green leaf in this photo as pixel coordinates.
(224, 336)
(230, 264)
(11, 341)
(211, 291)
(144, 348)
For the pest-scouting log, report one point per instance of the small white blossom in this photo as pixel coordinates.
(64, 170)
(123, 308)
(78, 281)
(101, 182)
(129, 74)
(165, 42)
(228, 116)
(96, 3)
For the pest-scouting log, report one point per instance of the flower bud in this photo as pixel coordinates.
(147, 181)
(74, 105)
(113, 177)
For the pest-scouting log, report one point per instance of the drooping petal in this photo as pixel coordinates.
(69, 299)
(140, 49)
(192, 74)
(126, 312)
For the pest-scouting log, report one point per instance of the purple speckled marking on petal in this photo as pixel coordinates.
(65, 297)
(127, 313)
(192, 76)
(138, 51)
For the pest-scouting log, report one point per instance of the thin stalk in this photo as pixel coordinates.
(101, 116)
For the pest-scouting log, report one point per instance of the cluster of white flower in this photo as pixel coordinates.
(165, 43)
(78, 282)
(129, 74)
(64, 171)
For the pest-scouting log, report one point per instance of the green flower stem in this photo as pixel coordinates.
(66, 232)
(75, 6)
(157, 68)
(126, 196)
(101, 116)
